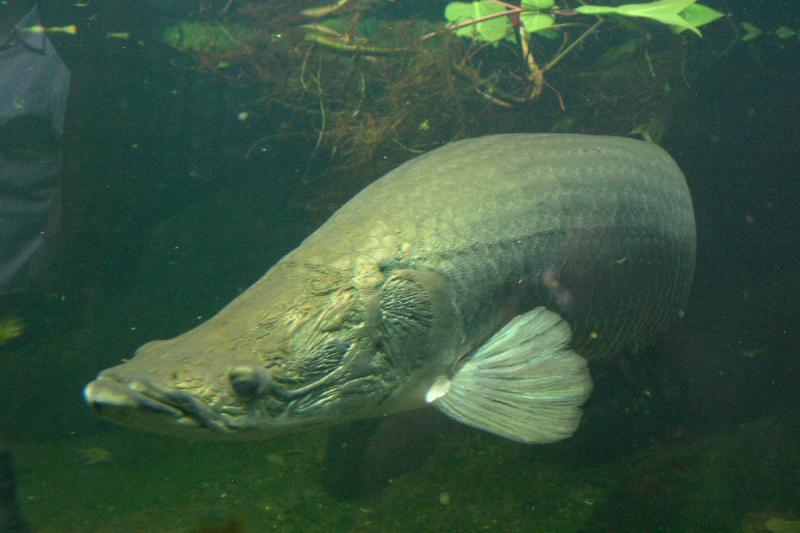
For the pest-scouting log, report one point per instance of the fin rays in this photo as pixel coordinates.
(525, 383)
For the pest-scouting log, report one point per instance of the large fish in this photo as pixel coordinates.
(479, 278)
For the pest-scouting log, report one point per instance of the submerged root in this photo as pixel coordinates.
(363, 94)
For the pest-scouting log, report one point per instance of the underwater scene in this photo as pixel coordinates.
(399, 265)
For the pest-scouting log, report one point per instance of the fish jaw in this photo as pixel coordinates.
(138, 403)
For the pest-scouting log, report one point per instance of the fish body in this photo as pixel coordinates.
(479, 277)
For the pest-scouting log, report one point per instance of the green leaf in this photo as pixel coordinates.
(784, 33)
(655, 9)
(491, 31)
(664, 11)
(549, 34)
(537, 4)
(597, 10)
(750, 31)
(700, 15)
(534, 21)
(680, 14)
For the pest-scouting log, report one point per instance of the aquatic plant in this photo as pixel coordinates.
(355, 82)
(492, 21)
(751, 31)
(207, 37)
(680, 14)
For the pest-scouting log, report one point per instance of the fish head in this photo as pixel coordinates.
(288, 355)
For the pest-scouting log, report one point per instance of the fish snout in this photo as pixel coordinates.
(136, 401)
(133, 403)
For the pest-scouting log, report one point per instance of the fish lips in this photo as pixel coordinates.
(141, 404)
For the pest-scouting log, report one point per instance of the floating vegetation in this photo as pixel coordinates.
(208, 37)
(358, 86)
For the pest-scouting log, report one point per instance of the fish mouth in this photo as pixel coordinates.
(140, 403)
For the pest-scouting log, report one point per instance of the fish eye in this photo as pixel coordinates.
(249, 382)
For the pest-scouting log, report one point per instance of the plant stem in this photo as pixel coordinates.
(553, 62)
(535, 74)
(472, 22)
(363, 49)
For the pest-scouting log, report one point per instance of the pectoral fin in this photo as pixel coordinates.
(524, 383)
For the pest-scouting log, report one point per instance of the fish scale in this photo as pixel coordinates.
(507, 204)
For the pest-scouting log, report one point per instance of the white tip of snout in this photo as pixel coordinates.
(99, 393)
